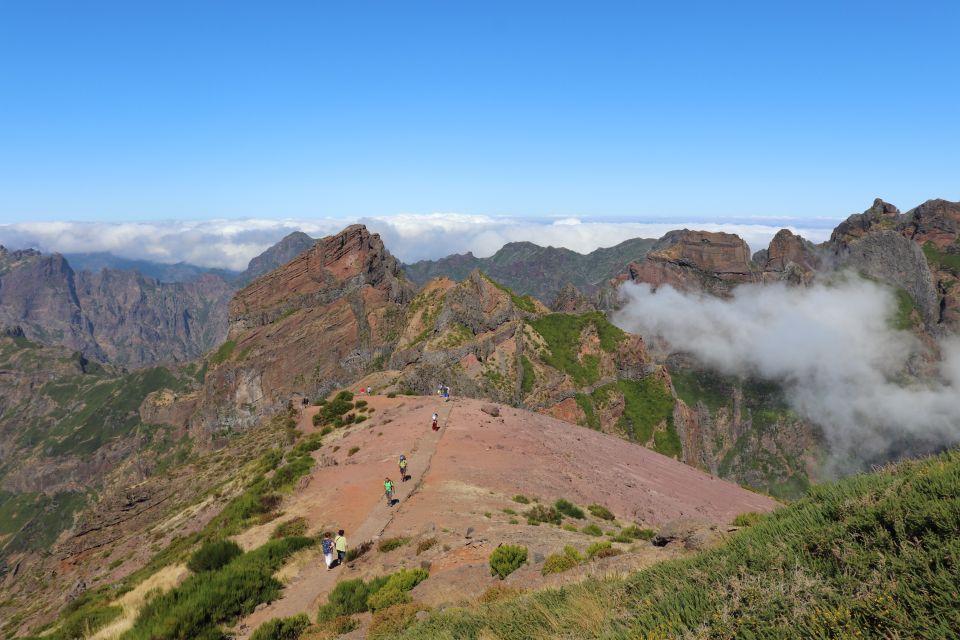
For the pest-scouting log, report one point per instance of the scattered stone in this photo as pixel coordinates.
(491, 409)
(469, 533)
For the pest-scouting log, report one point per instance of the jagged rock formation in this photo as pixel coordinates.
(321, 320)
(696, 261)
(918, 252)
(569, 299)
(790, 258)
(276, 256)
(111, 316)
(529, 269)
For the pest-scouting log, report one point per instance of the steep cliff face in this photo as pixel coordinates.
(320, 321)
(113, 316)
(789, 258)
(696, 261)
(918, 252)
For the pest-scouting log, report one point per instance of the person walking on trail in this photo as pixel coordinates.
(340, 543)
(388, 490)
(328, 548)
(435, 426)
(446, 394)
(403, 468)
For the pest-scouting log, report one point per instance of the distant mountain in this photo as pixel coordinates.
(178, 272)
(276, 256)
(113, 315)
(530, 269)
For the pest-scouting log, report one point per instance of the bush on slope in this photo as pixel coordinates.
(876, 555)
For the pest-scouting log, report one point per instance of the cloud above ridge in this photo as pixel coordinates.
(230, 244)
(832, 349)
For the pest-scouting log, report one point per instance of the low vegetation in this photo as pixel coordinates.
(389, 544)
(569, 509)
(871, 556)
(294, 527)
(600, 511)
(356, 596)
(560, 562)
(205, 600)
(562, 334)
(213, 555)
(506, 559)
(540, 513)
(282, 628)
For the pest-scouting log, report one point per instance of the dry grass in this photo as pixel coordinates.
(162, 581)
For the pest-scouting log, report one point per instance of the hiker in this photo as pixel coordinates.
(446, 394)
(388, 490)
(328, 548)
(340, 543)
(440, 389)
(435, 426)
(403, 468)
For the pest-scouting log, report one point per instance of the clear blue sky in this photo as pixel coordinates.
(154, 110)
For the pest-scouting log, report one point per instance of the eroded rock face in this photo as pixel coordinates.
(278, 255)
(696, 261)
(320, 321)
(115, 316)
(789, 257)
(569, 299)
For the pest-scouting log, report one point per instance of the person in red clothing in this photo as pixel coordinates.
(436, 427)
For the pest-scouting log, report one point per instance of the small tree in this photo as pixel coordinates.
(213, 555)
(506, 559)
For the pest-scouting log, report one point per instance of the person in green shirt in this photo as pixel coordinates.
(388, 490)
(340, 542)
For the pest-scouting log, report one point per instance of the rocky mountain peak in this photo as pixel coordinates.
(789, 257)
(569, 299)
(696, 260)
(278, 255)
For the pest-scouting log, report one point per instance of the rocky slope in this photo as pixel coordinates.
(111, 316)
(541, 272)
(276, 256)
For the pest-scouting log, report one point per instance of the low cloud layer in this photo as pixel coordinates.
(231, 244)
(832, 348)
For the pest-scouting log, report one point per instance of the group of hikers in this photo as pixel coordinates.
(330, 545)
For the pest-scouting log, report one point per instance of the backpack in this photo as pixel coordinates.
(327, 546)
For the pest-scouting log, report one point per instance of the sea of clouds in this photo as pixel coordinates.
(230, 244)
(832, 348)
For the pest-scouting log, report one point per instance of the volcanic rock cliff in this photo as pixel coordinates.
(696, 261)
(114, 316)
(318, 322)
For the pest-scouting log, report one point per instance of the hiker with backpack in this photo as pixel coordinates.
(388, 490)
(340, 544)
(328, 548)
(434, 425)
(403, 468)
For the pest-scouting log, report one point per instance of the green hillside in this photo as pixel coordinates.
(876, 555)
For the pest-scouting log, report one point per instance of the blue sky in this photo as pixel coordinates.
(199, 110)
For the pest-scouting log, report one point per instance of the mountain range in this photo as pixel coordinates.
(96, 456)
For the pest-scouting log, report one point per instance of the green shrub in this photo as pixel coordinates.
(392, 394)
(349, 597)
(360, 419)
(282, 628)
(389, 544)
(326, 430)
(569, 509)
(539, 513)
(521, 499)
(597, 547)
(353, 450)
(560, 562)
(387, 597)
(311, 443)
(294, 527)
(747, 519)
(592, 530)
(506, 559)
(569, 527)
(84, 616)
(636, 533)
(360, 404)
(509, 512)
(213, 555)
(207, 599)
(600, 511)
(388, 622)
(317, 419)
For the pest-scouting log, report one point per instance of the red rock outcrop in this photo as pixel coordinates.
(696, 261)
(789, 257)
(320, 321)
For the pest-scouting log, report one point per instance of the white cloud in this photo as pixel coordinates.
(831, 347)
(232, 243)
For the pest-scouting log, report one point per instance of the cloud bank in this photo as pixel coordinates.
(230, 244)
(830, 346)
